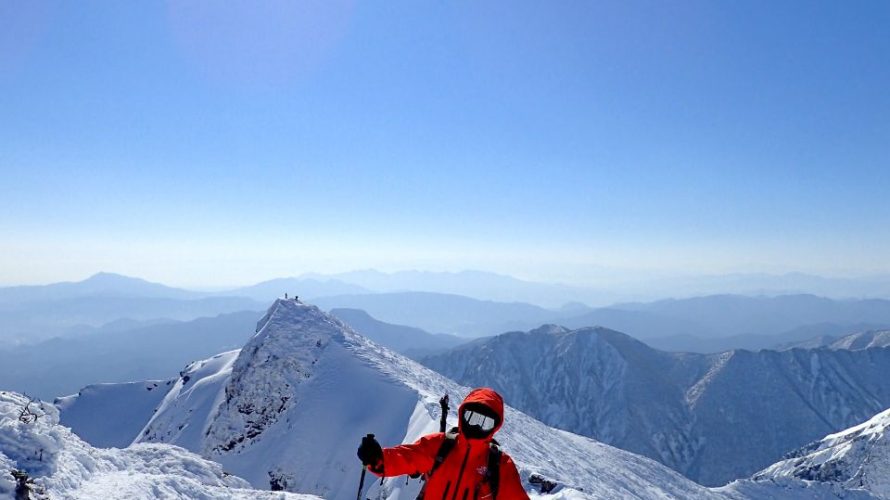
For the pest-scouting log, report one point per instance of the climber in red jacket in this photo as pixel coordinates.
(462, 464)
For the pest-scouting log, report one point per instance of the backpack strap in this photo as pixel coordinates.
(444, 449)
(493, 472)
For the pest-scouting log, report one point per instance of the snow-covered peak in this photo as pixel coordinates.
(285, 314)
(281, 357)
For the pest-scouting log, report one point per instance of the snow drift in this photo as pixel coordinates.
(60, 465)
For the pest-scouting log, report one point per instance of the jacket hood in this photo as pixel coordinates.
(487, 397)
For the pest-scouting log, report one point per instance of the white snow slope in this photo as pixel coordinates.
(291, 407)
(62, 466)
(131, 404)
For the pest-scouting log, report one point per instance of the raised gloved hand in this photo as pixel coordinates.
(370, 452)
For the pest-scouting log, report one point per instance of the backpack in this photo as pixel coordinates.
(492, 472)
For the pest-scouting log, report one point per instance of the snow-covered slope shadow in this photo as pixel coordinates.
(110, 415)
(290, 408)
(55, 463)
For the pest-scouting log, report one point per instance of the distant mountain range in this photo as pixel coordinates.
(442, 313)
(33, 313)
(413, 342)
(740, 315)
(610, 288)
(477, 285)
(726, 321)
(815, 335)
(97, 285)
(703, 324)
(29, 314)
(613, 287)
(685, 410)
(61, 366)
(308, 288)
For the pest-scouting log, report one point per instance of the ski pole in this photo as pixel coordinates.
(443, 419)
(361, 484)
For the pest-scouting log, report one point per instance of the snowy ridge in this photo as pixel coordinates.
(183, 416)
(684, 410)
(62, 466)
(856, 458)
(269, 372)
(852, 464)
(863, 340)
(290, 410)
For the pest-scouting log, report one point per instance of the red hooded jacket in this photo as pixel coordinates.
(460, 476)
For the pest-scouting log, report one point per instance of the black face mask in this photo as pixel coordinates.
(478, 421)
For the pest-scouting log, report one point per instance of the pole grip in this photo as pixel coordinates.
(443, 419)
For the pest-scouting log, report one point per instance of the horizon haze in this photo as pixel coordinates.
(204, 144)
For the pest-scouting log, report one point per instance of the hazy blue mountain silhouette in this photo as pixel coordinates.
(100, 284)
(443, 313)
(408, 340)
(726, 315)
(306, 288)
(62, 366)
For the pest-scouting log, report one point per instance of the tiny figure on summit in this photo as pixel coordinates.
(465, 462)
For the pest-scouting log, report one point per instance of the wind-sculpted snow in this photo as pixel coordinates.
(713, 418)
(61, 466)
(186, 411)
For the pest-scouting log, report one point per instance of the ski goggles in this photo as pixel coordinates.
(479, 420)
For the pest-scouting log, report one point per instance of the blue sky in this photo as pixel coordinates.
(207, 143)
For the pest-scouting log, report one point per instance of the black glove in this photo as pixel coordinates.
(370, 452)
